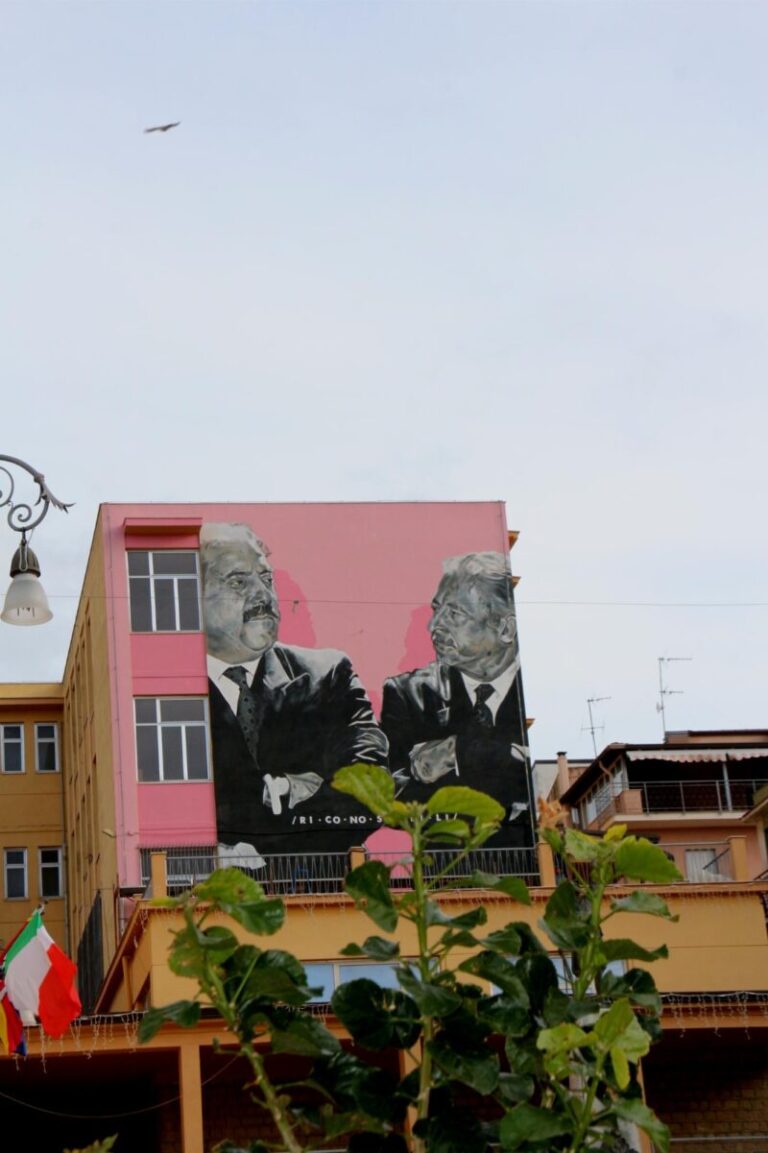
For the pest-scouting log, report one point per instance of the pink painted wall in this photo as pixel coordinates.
(355, 577)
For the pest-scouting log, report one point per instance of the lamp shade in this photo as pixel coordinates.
(25, 601)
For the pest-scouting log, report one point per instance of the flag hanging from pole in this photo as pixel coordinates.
(11, 1028)
(40, 978)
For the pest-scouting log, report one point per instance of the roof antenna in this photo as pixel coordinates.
(664, 692)
(592, 727)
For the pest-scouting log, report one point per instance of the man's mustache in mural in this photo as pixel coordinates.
(259, 611)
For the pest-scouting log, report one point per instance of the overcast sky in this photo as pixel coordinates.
(411, 251)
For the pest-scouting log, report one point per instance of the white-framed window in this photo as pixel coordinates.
(172, 738)
(47, 748)
(12, 748)
(164, 591)
(51, 873)
(328, 975)
(15, 874)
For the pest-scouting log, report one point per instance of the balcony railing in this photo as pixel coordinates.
(289, 874)
(637, 797)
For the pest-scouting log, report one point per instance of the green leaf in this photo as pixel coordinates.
(271, 976)
(368, 885)
(637, 984)
(434, 915)
(539, 977)
(194, 948)
(229, 887)
(529, 1123)
(377, 948)
(562, 1038)
(615, 833)
(503, 1016)
(620, 1067)
(512, 887)
(639, 902)
(500, 972)
(639, 1114)
(376, 1017)
(567, 918)
(612, 1023)
(622, 949)
(506, 940)
(639, 860)
(371, 785)
(554, 839)
(470, 802)
(184, 1013)
(433, 1000)
(451, 1130)
(261, 917)
(456, 830)
(356, 1085)
(581, 847)
(513, 1088)
(305, 1036)
(478, 1069)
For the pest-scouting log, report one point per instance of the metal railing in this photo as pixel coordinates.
(521, 863)
(286, 874)
(698, 796)
(719, 796)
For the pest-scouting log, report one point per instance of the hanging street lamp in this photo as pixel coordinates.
(25, 601)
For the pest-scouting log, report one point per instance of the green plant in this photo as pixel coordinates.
(505, 1051)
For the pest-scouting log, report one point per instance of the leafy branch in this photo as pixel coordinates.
(503, 1051)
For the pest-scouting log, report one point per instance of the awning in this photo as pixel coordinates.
(692, 756)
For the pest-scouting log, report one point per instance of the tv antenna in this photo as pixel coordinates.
(592, 727)
(664, 692)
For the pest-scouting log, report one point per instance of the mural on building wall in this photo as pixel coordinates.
(358, 668)
(460, 719)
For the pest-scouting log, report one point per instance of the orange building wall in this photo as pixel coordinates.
(720, 941)
(31, 808)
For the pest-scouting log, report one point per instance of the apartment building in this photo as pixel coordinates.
(139, 768)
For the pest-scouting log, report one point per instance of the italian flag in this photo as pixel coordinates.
(40, 979)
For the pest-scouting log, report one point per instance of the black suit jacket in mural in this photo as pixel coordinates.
(316, 718)
(423, 706)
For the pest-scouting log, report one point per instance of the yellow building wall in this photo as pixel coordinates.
(31, 807)
(89, 792)
(719, 943)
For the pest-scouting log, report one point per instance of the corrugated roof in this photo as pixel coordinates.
(690, 756)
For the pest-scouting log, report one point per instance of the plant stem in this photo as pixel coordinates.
(427, 1021)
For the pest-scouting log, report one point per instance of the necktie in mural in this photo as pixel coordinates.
(481, 713)
(248, 710)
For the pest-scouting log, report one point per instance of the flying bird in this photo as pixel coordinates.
(163, 127)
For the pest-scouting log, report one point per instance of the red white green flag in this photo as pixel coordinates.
(40, 978)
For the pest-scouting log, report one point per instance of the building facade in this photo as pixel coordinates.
(225, 659)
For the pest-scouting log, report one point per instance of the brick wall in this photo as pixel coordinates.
(711, 1088)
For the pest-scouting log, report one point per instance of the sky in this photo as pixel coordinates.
(412, 250)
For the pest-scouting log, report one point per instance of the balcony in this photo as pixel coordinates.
(293, 874)
(645, 798)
